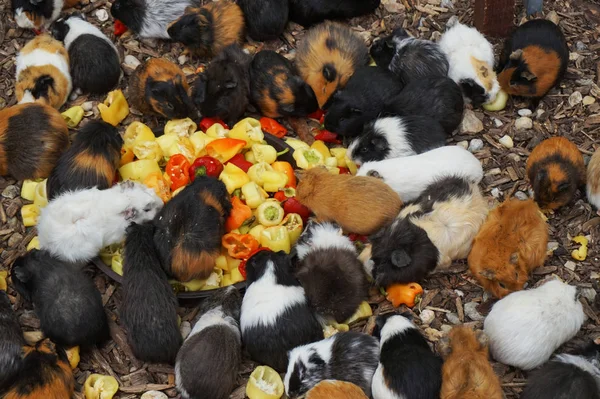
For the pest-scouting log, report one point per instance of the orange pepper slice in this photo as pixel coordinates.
(404, 294)
(239, 246)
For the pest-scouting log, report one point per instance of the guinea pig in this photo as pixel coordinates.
(574, 376)
(593, 180)
(471, 60)
(65, 300)
(38, 14)
(45, 373)
(223, 89)
(330, 272)
(76, 225)
(93, 59)
(150, 18)
(11, 342)
(556, 170)
(396, 136)
(361, 100)
(349, 356)
(511, 243)
(160, 87)
(47, 137)
(333, 389)
(534, 59)
(328, 56)
(410, 58)
(467, 372)
(149, 308)
(265, 19)
(310, 12)
(276, 89)
(372, 205)
(91, 161)
(43, 72)
(208, 362)
(429, 233)
(409, 176)
(275, 315)
(407, 369)
(525, 327)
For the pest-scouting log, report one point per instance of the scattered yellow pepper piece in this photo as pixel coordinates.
(249, 130)
(138, 170)
(199, 141)
(340, 155)
(307, 158)
(40, 197)
(270, 213)
(126, 156)
(256, 231)
(115, 108)
(351, 165)
(30, 214)
(3, 276)
(99, 386)
(28, 189)
(264, 153)
(293, 223)
(322, 148)
(257, 170)
(274, 181)
(180, 127)
(264, 383)
(581, 253)
(217, 131)
(73, 356)
(34, 243)
(364, 310)
(156, 182)
(221, 263)
(116, 264)
(233, 177)
(148, 150)
(73, 116)
(107, 253)
(137, 132)
(253, 194)
(276, 238)
(249, 156)
(296, 144)
(499, 103)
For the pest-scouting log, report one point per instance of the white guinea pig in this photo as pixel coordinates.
(527, 326)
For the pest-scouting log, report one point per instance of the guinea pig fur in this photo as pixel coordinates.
(76, 225)
(328, 56)
(43, 72)
(223, 89)
(409, 176)
(208, 362)
(93, 59)
(534, 59)
(45, 373)
(207, 30)
(372, 205)
(65, 300)
(149, 308)
(593, 180)
(556, 170)
(275, 314)
(396, 136)
(47, 137)
(430, 232)
(330, 272)
(265, 19)
(467, 372)
(471, 60)
(525, 327)
(511, 243)
(160, 87)
(150, 18)
(38, 14)
(11, 342)
(276, 89)
(91, 161)
(310, 12)
(407, 369)
(333, 389)
(410, 58)
(349, 356)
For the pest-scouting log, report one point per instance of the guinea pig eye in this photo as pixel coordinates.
(502, 285)
(169, 106)
(364, 150)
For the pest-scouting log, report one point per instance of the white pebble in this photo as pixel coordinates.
(496, 192)
(588, 100)
(185, 329)
(575, 98)
(427, 316)
(552, 246)
(453, 318)
(523, 123)
(132, 61)
(507, 141)
(570, 265)
(471, 311)
(475, 145)
(497, 122)
(539, 113)
(521, 195)
(445, 328)
(87, 106)
(470, 123)
(464, 144)
(524, 112)
(154, 395)
(182, 59)
(589, 294)
(102, 15)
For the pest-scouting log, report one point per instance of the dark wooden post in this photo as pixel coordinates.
(494, 17)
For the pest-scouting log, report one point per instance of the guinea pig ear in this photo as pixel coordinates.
(526, 75)
(126, 185)
(516, 55)
(514, 258)
(487, 274)
(35, 2)
(231, 84)
(356, 111)
(400, 258)
(380, 143)
(129, 213)
(289, 108)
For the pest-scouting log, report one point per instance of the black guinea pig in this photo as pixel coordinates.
(277, 90)
(91, 161)
(310, 12)
(265, 19)
(11, 343)
(38, 14)
(65, 300)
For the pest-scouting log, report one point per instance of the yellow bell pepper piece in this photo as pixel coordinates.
(296, 144)
(148, 150)
(276, 238)
(73, 356)
(264, 153)
(322, 148)
(221, 263)
(233, 177)
(217, 131)
(180, 127)
(249, 156)
(340, 155)
(334, 170)
(34, 243)
(256, 231)
(73, 116)
(199, 141)
(236, 276)
(307, 158)
(28, 189)
(248, 130)
(581, 253)
(157, 182)
(108, 252)
(351, 165)
(3, 276)
(116, 264)
(232, 263)
(364, 311)
(40, 197)
(264, 383)
(115, 108)
(274, 181)
(253, 194)
(135, 133)
(256, 172)
(99, 386)
(293, 223)
(331, 162)
(138, 170)
(30, 214)
(226, 280)
(269, 213)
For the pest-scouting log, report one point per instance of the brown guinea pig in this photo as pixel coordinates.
(207, 30)
(32, 138)
(359, 204)
(467, 372)
(328, 56)
(333, 389)
(511, 243)
(556, 170)
(160, 87)
(593, 180)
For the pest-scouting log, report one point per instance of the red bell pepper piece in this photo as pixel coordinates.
(242, 265)
(344, 171)
(285, 167)
(120, 28)
(357, 237)
(317, 115)
(240, 212)
(205, 123)
(284, 194)
(239, 246)
(239, 161)
(178, 169)
(273, 127)
(328, 137)
(292, 205)
(205, 166)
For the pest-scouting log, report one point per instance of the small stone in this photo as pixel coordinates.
(575, 98)
(154, 395)
(464, 144)
(589, 294)
(523, 123)
(453, 318)
(539, 113)
(445, 328)
(471, 311)
(432, 334)
(10, 192)
(427, 316)
(580, 46)
(514, 157)
(182, 59)
(553, 16)
(486, 296)
(588, 100)
(435, 36)
(131, 61)
(570, 265)
(595, 90)
(506, 141)
(594, 275)
(459, 293)
(524, 112)
(15, 240)
(185, 329)
(392, 6)
(447, 4)
(87, 106)
(552, 246)
(476, 145)
(497, 122)
(102, 15)
(496, 192)
(471, 123)
(74, 95)
(452, 21)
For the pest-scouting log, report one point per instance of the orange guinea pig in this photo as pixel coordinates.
(511, 243)
(556, 171)
(332, 389)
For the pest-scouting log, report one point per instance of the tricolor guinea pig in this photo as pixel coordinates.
(43, 72)
(93, 59)
(265, 19)
(47, 137)
(149, 308)
(511, 243)
(593, 180)
(310, 12)
(11, 342)
(525, 327)
(38, 14)
(556, 170)
(327, 57)
(160, 87)
(534, 59)
(334, 389)
(277, 90)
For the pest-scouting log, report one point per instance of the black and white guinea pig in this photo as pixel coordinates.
(149, 308)
(310, 12)
(410, 58)
(275, 314)
(65, 300)
(277, 90)
(91, 161)
(265, 19)
(407, 366)
(348, 356)
(93, 58)
(396, 136)
(38, 14)
(207, 364)
(11, 342)
(223, 89)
